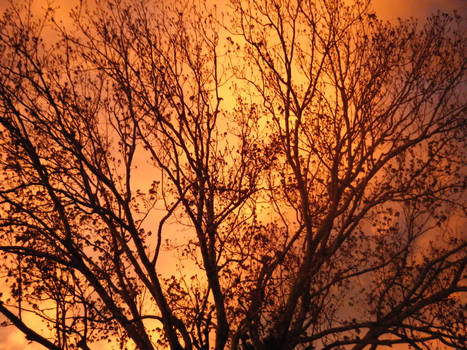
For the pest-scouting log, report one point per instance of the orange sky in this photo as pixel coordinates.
(390, 9)
(387, 9)
(11, 339)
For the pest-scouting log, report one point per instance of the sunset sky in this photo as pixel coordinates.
(12, 339)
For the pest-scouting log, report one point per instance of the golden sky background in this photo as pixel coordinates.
(12, 339)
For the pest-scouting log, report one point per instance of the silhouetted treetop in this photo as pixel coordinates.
(264, 175)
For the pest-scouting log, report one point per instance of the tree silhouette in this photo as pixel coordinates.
(323, 210)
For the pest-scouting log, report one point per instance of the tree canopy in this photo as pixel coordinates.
(281, 174)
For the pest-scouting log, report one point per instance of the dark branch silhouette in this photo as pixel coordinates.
(303, 160)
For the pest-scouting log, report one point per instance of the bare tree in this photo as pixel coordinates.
(319, 212)
(367, 118)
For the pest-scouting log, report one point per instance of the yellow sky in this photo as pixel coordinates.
(10, 338)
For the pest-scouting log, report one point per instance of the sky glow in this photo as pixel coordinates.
(12, 339)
